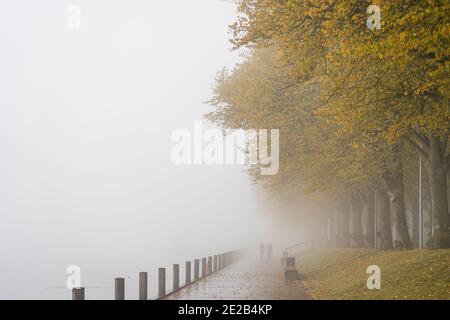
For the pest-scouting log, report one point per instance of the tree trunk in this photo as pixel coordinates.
(356, 222)
(345, 216)
(384, 232)
(393, 182)
(369, 238)
(437, 166)
(344, 224)
(338, 229)
(324, 231)
(332, 231)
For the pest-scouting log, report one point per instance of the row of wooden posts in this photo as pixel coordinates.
(208, 266)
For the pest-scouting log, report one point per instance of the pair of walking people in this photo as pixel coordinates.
(263, 250)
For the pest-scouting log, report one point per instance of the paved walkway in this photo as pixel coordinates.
(244, 280)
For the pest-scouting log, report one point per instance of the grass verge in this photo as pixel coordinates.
(341, 274)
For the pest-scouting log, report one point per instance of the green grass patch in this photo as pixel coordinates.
(409, 275)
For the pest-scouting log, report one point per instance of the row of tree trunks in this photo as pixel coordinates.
(344, 227)
(386, 205)
(389, 204)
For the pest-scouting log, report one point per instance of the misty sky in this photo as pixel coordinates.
(85, 123)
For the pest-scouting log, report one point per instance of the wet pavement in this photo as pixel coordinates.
(245, 280)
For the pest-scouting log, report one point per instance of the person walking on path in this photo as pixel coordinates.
(269, 251)
(261, 251)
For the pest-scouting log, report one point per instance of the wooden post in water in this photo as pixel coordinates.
(210, 265)
(224, 260)
(219, 259)
(176, 276)
(78, 294)
(161, 282)
(143, 285)
(196, 269)
(215, 263)
(119, 293)
(187, 276)
(203, 267)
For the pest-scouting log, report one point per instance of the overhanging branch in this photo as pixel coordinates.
(423, 139)
(417, 147)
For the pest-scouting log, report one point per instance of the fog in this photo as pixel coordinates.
(85, 123)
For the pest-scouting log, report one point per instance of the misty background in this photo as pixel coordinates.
(85, 123)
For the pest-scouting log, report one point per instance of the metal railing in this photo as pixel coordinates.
(310, 243)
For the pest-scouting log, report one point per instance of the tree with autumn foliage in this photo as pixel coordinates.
(347, 98)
